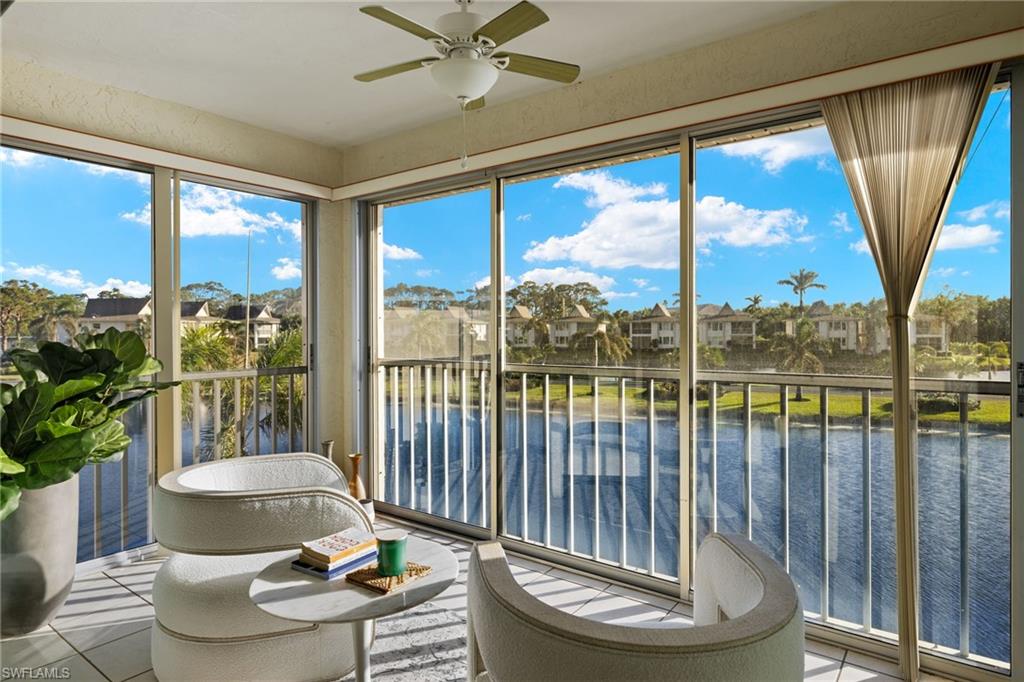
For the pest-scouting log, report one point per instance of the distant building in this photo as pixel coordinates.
(659, 330)
(452, 333)
(126, 314)
(925, 330)
(263, 326)
(518, 330)
(578, 321)
(726, 328)
(848, 332)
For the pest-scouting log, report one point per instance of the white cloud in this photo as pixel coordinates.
(612, 295)
(19, 158)
(734, 224)
(426, 272)
(945, 272)
(775, 152)
(71, 280)
(486, 282)
(569, 275)
(605, 189)
(392, 252)
(287, 268)
(997, 208)
(629, 231)
(967, 237)
(861, 246)
(640, 282)
(212, 211)
(841, 221)
(524, 217)
(99, 169)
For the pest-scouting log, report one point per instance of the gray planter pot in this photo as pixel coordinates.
(38, 552)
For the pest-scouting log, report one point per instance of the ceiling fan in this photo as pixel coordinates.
(467, 42)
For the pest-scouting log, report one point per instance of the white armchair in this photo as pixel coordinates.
(225, 521)
(748, 626)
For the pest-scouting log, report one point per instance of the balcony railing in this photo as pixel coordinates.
(236, 413)
(802, 464)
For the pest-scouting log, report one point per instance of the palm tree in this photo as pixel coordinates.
(755, 304)
(988, 358)
(800, 282)
(799, 352)
(614, 348)
(61, 310)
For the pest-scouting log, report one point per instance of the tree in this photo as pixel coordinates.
(613, 347)
(989, 358)
(111, 293)
(994, 320)
(799, 351)
(755, 304)
(60, 310)
(21, 302)
(800, 282)
(207, 348)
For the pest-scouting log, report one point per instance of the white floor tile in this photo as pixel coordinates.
(853, 673)
(579, 579)
(72, 668)
(677, 619)
(610, 608)
(525, 576)
(562, 594)
(659, 601)
(517, 561)
(821, 668)
(453, 599)
(34, 649)
(122, 658)
(823, 649)
(137, 577)
(877, 665)
(148, 676)
(98, 611)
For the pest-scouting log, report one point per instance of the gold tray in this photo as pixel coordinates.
(372, 580)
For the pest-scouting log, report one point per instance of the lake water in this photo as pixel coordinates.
(939, 504)
(939, 480)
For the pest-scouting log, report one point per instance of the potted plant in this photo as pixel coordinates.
(63, 414)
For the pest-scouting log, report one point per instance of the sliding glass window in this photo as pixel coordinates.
(242, 322)
(961, 342)
(77, 257)
(432, 341)
(590, 457)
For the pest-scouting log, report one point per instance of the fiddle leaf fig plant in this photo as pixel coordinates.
(65, 412)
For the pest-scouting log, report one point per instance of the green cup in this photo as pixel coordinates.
(391, 552)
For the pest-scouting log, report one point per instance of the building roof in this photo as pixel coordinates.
(236, 313)
(193, 308)
(728, 312)
(819, 309)
(577, 313)
(115, 307)
(708, 309)
(520, 312)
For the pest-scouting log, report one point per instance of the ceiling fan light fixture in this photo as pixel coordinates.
(465, 78)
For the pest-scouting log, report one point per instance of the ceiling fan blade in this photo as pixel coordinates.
(475, 104)
(392, 70)
(398, 21)
(541, 68)
(512, 23)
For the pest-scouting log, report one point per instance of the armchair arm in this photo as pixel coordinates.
(254, 504)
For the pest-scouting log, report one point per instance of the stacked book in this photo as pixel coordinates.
(335, 555)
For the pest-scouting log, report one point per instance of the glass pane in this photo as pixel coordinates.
(962, 338)
(242, 316)
(592, 275)
(76, 257)
(435, 354)
(791, 448)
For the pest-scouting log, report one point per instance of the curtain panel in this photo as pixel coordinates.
(902, 147)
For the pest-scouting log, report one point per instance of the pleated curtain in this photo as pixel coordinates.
(902, 147)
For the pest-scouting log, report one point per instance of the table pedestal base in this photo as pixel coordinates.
(362, 634)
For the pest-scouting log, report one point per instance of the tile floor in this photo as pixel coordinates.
(102, 633)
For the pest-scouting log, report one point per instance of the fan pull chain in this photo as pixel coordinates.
(464, 161)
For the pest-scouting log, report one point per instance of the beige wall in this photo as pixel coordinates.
(335, 340)
(834, 38)
(35, 93)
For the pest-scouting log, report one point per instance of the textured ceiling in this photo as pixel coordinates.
(288, 66)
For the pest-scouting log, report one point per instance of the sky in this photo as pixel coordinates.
(77, 227)
(765, 208)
